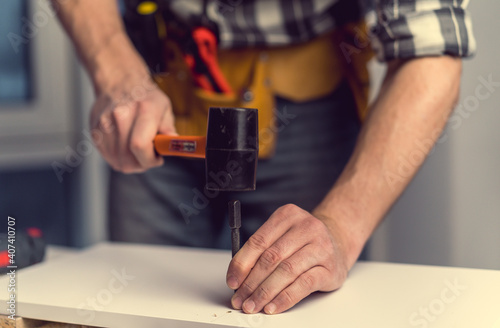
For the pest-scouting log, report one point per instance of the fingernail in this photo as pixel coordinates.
(236, 302)
(249, 306)
(270, 308)
(232, 282)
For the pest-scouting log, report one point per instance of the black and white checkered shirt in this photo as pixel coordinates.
(399, 28)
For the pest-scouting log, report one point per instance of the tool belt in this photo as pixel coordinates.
(297, 72)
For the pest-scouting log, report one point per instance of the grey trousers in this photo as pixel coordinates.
(169, 205)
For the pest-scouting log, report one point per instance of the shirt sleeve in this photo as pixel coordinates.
(415, 28)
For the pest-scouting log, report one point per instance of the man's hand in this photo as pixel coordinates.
(124, 122)
(294, 253)
(291, 255)
(130, 109)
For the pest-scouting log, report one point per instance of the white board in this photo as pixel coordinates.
(180, 287)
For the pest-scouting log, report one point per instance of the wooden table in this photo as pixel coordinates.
(125, 285)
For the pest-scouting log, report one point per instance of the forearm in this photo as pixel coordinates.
(97, 31)
(406, 119)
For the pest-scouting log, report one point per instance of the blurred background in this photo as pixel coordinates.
(52, 178)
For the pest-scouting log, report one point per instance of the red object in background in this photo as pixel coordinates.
(34, 232)
(201, 80)
(4, 258)
(21, 249)
(212, 79)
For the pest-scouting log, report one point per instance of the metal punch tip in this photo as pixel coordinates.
(234, 208)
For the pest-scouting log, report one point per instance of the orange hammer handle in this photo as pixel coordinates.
(185, 146)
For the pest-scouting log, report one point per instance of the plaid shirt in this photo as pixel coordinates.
(399, 28)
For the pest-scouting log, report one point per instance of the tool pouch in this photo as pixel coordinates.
(246, 75)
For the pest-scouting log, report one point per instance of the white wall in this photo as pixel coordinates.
(89, 213)
(450, 214)
(35, 133)
(476, 152)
